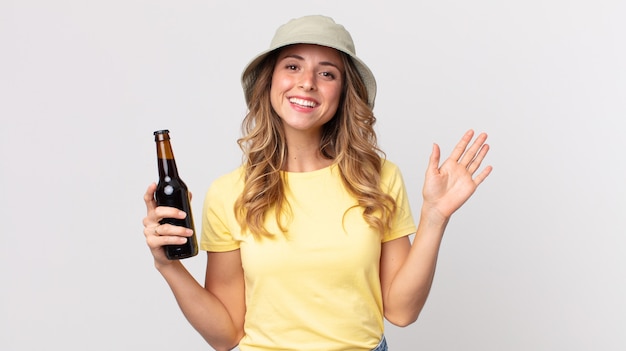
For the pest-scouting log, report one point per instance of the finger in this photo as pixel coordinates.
(148, 197)
(169, 229)
(460, 147)
(156, 215)
(164, 231)
(483, 175)
(433, 161)
(477, 161)
(151, 230)
(474, 150)
(161, 212)
(157, 241)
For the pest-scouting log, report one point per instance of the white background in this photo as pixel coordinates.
(534, 261)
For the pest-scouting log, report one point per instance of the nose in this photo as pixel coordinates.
(307, 81)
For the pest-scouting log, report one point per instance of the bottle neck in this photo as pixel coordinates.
(165, 159)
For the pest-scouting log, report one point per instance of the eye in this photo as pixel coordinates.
(291, 67)
(328, 75)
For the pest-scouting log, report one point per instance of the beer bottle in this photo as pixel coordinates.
(172, 191)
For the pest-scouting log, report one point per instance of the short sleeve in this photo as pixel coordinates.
(219, 225)
(392, 182)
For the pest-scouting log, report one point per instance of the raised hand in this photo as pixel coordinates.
(449, 186)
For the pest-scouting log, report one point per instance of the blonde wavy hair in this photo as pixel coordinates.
(348, 138)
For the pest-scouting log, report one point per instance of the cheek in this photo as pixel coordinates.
(274, 94)
(334, 95)
(278, 85)
(280, 81)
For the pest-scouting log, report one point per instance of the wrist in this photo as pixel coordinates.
(432, 216)
(165, 265)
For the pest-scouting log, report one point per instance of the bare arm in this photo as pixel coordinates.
(216, 311)
(407, 271)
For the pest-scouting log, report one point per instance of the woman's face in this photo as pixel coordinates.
(306, 86)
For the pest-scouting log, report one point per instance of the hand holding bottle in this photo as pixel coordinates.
(160, 235)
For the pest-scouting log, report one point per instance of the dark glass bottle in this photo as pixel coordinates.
(172, 191)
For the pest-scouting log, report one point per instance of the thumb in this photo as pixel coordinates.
(433, 162)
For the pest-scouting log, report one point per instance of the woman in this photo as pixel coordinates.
(308, 241)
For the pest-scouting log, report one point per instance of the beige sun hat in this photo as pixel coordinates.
(314, 29)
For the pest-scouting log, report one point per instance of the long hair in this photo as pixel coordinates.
(348, 138)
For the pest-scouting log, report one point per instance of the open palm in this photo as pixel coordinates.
(449, 186)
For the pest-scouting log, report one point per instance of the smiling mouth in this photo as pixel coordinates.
(303, 103)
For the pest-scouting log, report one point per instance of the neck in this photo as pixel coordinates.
(305, 156)
(306, 164)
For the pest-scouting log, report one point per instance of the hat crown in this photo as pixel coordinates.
(314, 29)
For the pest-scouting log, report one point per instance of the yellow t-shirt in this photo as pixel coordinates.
(318, 287)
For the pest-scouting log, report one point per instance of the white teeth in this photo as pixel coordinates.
(304, 103)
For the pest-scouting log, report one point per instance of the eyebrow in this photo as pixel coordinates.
(323, 63)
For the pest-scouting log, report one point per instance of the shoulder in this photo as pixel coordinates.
(389, 166)
(389, 170)
(228, 183)
(391, 176)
